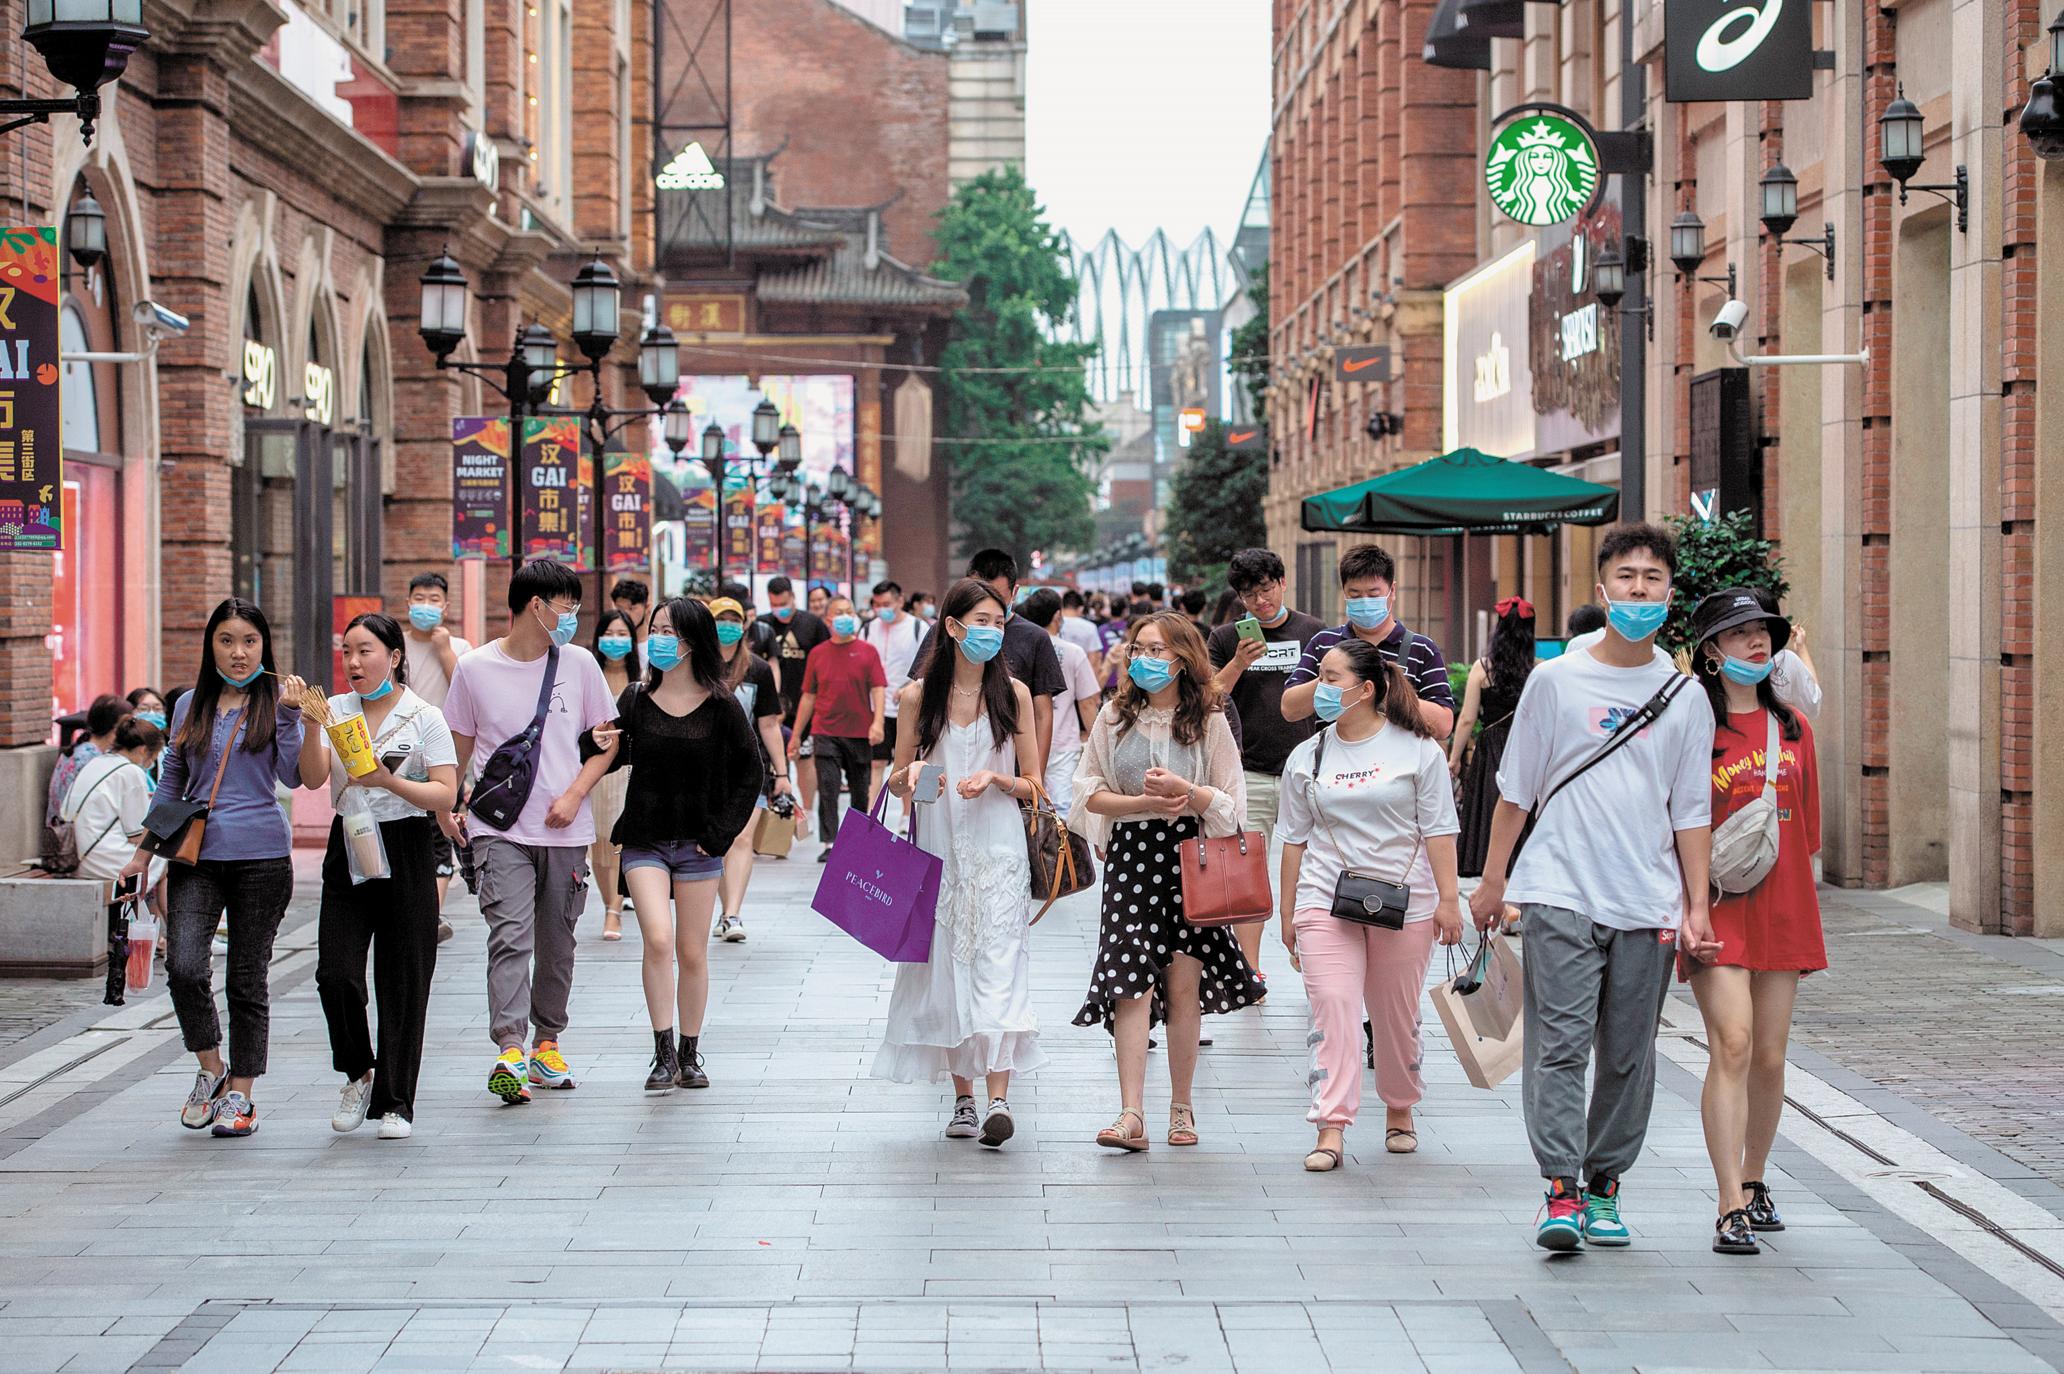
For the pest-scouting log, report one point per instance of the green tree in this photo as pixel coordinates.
(1711, 557)
(1025, 484)
(1247, 350)
(1214, 507)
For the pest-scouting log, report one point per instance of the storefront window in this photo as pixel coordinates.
(85, 641)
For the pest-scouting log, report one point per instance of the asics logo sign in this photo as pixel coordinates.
(1737, 50)
(1735, 36)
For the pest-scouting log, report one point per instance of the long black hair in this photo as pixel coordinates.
(602, 623)
(1511, 655)
(387, 630)
(999, 697)
(696, 628)
(1398, 701)
(261, 698)
(1707, 674)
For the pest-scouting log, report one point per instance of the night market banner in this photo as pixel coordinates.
(31, 435)
(629, 484)
(772, 517)
(699, 526)
(739, 530)
(480, 486)
(551, 477)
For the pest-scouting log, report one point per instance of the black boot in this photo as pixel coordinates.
(691, 1074)
(664, 1064)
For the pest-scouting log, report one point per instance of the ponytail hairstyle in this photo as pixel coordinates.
(1398, 701)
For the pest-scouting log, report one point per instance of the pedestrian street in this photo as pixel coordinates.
(800, 1216)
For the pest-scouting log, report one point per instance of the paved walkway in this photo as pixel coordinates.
(799, 1216)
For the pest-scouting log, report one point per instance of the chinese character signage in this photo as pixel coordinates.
(739, 529)
(1737, 50)
(584, 529)
(699, 523)
(480, 486)
(771, 519)
(827, 554)
(31, 439)
(551, 476)
(1541, 169)
(704, 314)
(629, 485)
(795, 552)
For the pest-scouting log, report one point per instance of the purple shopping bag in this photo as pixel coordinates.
(879, 887)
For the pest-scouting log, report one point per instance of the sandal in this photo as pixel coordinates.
(1734, 1235)
(1394, 1134)
(1114, 1136)
(1323, 1159)
(612, 925)
(1182, 1125)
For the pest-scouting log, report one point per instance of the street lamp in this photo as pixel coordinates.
(1688, 250)
(596, 300)
(1780, 195)
(85, 44)
(678, 425)
(766, 426)
(659, 365)
(86, 231)
(791, 448)
(1900, 153)
(838, 484)
(2042, 122)
(442, 319)
(540, 360)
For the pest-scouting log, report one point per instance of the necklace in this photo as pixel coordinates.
(960, 691)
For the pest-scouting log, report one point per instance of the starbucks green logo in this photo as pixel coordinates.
(1541, 170)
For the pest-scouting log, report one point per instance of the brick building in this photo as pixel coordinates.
(1905, 493)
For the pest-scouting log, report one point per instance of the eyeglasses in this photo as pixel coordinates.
(1160, 651)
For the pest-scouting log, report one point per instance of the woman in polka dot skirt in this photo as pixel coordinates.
(1159, 767)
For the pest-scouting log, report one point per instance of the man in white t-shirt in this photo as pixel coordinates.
(1075, 710)
(1611, 883)
(894, 635)
(433, 654)
(534, 874)
(1077, 629)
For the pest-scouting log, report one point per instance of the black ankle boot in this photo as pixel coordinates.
(690, 1058)
(664, 1064)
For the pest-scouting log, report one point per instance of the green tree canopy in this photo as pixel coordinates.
(1024, 484)
(1214, 507)
(1247, 349)
(1713, 555)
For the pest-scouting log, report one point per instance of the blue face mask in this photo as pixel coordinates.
(662, 651)
(1741, 670)
(1150, 675)
(783, 612)
(729, 633)
(614, 647)
(1636, 620)
(156, 718)
(845, 626)
(425, 617)
(1367, 612)
(381, 692)
(887, 615)
(980, 643)
(565, 628)
(256, 673)
(1327, 702)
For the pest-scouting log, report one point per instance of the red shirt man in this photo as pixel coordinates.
(845, 692)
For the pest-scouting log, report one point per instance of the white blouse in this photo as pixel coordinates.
(1115, 762)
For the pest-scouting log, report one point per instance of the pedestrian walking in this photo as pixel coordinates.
(236, 738)
(617, 653)
(433, 656)
(1078, 629)
(1367, 797)
(1028, 651)
(1613, 758)
(1489, 699)
(1770, 934)
(391, 915)
(695, 774)
(1368, 582)
(1075, 711)
(967, 1012)
(1160, 767)
(894, 637)
(796, 633)
(751, 680)
(529, 696)
(842, 713)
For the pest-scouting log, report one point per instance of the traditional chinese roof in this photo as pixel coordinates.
(855, 275)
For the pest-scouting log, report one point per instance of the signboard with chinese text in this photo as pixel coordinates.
(771, 518)
(551, 479)
(699, 522)
(705, 313)
(795, 551)
(740, 531)
(31, 433)
(480, 486)
(629, 486)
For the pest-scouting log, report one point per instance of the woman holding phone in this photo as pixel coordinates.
(967, 1013)
(616, 652)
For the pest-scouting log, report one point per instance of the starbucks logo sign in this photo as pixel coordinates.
(1542, 170)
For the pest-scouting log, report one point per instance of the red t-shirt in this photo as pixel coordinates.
(1776, 925)
(842, 676)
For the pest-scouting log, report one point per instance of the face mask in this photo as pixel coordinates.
(156, 718)
(663, 651)
(1744, 672)
(614, 647)
(845, 626)
(1367, 612)
(887, 615)
(784, 613)
(1636, 620)
(379, 693)
(1150, 675)
(563, 632)
(980, 643)
(728, 633)
(1282, 614)
(1327, 702)
(240, 685)
(425, 617)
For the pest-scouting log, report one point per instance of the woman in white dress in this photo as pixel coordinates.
(968, 1011)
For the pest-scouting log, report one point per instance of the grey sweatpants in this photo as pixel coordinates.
(1590, 988)
(532, 896)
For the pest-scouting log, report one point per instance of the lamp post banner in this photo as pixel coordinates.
(699, 523)
(480, 486)
(739, 527)
(584, 525)
(628, 482)
(772, 517)
(551, 479)
(795, 552)
(31, 432)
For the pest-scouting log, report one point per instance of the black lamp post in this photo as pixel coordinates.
(86, 232)
(2042, 121)
(1780, 196)
(1900, 131)
(85, 44)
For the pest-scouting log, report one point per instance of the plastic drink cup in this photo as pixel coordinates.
(354, 745)
(143, 943)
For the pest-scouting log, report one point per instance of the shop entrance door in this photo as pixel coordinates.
(283, 542)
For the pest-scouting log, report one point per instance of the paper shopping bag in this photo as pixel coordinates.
(1483, 1021)
(774, 832)
(879, 887)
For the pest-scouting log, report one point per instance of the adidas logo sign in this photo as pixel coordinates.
(690, 170)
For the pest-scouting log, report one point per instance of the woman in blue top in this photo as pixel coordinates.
(244, 720)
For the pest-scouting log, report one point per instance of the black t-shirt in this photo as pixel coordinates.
(693, 777)
(1028, 655)
(792, 645)
(761, 698)
(1267, 738)
(759, 637)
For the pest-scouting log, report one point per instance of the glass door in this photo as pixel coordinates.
(283, 545)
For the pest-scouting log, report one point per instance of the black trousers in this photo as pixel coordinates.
(255, 894)
(396, 919)
(854, 758)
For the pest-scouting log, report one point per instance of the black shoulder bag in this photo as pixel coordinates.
(1651, 711)
(1362, 897)
(511, 771)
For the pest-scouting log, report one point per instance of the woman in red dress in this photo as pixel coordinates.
(1769, 935)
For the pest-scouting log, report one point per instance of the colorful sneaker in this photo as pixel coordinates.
(1602, 1224)
(351, 1105)
(235, 1115)
(505, 1079)
(963, 1126)
(548, 1067)
(1763, 1213)
(199, 1112)
(395, 1126)
(1563, 1226)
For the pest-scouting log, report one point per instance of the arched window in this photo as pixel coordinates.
(81, 397)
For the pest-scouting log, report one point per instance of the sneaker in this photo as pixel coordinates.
(963, 1126)
(734, 930)
(1763, 1213)
(1602, 1224)
(824, 855)
(548, 1068)
(351, 1105)
(444, 930)
(395, 1126)
(1733, 1235)
(997, 1126)
(235, 1115)
(199, 1112)
(1563, 1226)
(505, 1079)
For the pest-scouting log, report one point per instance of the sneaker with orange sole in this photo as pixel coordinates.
(548, 1067)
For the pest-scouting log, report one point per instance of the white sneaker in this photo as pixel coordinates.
(963, 1125)
(351, 1105)
(997, 1125)
(395, 1126)
(734, 930)
(722, 929)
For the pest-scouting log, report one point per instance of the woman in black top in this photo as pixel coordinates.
(1495, 682)
(695, 773)
(751, 680)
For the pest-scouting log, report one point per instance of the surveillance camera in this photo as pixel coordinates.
(1727, 324)
(157, 320)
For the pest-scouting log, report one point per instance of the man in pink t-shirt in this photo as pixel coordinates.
(533, 876)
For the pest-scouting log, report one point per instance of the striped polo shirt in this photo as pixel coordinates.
(1419, 656)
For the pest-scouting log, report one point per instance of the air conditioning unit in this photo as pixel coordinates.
(925, 23)
(993, 19)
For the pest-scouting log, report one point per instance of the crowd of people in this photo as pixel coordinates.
(1634, 817)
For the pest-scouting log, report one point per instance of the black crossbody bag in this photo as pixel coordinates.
(510, 772)
(1358, 896)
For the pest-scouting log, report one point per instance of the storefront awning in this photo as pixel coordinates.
(1492, 18)
(1464, 492)
(1448, 44)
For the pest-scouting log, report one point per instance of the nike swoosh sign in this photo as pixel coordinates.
(1362, 363)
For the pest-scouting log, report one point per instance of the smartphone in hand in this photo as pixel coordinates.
(1247, 627)
(931, 783)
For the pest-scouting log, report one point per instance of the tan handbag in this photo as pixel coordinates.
(1225, 881)
(1059, 858)
(175, 829)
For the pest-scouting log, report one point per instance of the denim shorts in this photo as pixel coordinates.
(684, 860)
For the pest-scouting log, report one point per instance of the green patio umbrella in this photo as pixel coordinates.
(1464, 492)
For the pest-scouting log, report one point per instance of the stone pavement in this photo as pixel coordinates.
(799, 1216)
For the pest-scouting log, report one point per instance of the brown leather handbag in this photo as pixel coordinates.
(1225, 881)
(1060, 861)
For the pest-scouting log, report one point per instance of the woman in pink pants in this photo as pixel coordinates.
(1369, 795)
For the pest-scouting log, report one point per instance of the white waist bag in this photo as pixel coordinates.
(1745, 844)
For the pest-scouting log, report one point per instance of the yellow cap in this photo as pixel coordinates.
(723, 604)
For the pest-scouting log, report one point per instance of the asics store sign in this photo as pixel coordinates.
(1737, 49)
